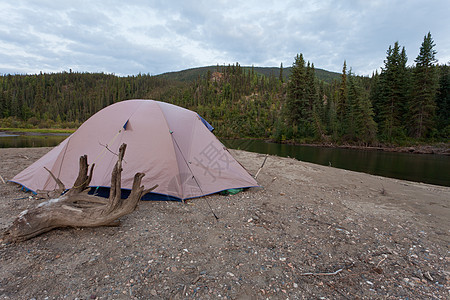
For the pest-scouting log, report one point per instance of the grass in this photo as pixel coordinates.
(39, 130)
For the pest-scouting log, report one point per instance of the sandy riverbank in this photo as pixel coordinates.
(311, 231)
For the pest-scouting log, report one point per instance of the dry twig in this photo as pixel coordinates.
(322, 274)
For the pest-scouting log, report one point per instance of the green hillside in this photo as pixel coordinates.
(195, 73)
(250, 102)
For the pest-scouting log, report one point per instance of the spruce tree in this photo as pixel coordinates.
(331, 111)
(342, 96)
(368, 132)
(393, 92)
(281, 78)
(297, 101)
(2, 101)
(366, 125)
(315, 103)
(311, 89)
(351, 115)
(443, 102)
(375, 95)
(422, 106)
(359, 124)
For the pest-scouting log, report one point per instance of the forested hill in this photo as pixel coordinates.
(195, 73)
(400, 105)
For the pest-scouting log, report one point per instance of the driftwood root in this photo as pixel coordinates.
(76, 208)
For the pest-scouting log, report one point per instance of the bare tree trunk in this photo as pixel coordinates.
(76, 208)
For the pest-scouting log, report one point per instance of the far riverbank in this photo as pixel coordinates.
(434, 148)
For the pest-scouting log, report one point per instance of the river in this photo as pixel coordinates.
(427, 168)
(8, 140)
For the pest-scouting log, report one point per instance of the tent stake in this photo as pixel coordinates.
(257, 173)
(217, 218)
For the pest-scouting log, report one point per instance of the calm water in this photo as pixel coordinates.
(25, 141)
(428, 168)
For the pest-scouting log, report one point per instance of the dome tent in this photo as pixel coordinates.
(170, 144)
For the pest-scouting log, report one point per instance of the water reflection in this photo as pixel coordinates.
(426, 168)
(26, 141)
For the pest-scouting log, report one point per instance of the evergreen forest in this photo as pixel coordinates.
(399, 105)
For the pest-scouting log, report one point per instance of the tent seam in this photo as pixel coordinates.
(173, 145)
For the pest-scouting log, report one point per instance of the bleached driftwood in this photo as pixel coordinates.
(76, 208)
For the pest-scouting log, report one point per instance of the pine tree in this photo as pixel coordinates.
(422, 107)
(297, 98)
(366, 127)
(443, 102)
(331, 117)
(311, 90)
(359, 125)
(368, 131)
(393, 87)
(281, 78)
(375, 95)
(342, 96)
(2, 100)
(352, 113)
(315, 104)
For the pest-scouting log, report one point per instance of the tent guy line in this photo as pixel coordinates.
(193, 176)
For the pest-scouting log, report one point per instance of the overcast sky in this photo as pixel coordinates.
(157, 36)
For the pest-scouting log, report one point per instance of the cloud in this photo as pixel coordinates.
(160, 36)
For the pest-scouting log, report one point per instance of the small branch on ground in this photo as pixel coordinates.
(321, 274)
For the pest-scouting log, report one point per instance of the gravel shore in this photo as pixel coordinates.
(310, 232)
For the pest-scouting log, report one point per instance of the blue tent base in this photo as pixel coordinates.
(104, 192)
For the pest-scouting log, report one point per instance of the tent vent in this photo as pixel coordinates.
(125, 125)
